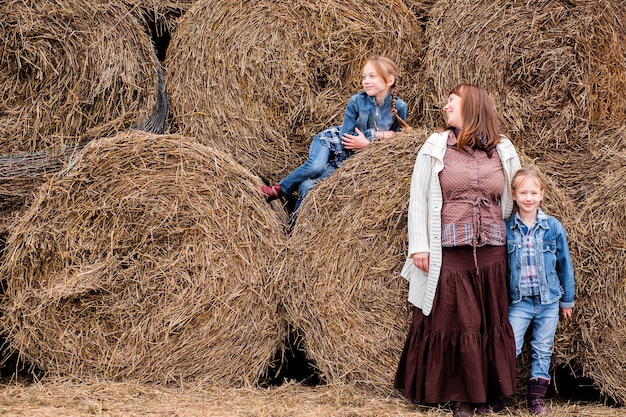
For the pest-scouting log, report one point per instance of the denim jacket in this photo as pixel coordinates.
(554, 265)
(362, 112)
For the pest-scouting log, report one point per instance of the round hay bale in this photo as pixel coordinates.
(151, 260)
(72, 69)
(346, 295)
(599, 323)
(259, 79)
(21, 175)
(579, 173)
(552, 67)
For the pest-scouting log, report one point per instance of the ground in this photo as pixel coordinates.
(70, 399)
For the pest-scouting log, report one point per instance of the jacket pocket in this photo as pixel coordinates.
(549, 262)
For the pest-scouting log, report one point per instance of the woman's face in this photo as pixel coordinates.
(452, 110)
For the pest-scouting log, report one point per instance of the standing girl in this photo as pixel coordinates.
(541, 278)
(375, 113)
(460, 347)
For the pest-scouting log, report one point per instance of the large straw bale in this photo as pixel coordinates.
(600, 321)
(72, 69)
(150, 259)
(345, 254)
(346, 293)
(259, 79)
(552, 67)
(580, 173)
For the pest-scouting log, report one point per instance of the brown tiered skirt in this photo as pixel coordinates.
(465, 349)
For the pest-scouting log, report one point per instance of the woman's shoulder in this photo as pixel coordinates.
(506, 143)
(435, 144)
(438, 138)
(506, 148)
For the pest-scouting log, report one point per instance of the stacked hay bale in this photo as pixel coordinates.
(259, 79)
(72, 69)
(600, 334)
(346, 294)
(21, 175)
(144, 262)
(554, 68)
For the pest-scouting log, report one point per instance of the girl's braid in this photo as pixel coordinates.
(404, 125)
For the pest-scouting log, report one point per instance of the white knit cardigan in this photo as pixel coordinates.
(424, 216)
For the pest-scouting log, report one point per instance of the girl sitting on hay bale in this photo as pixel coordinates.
(375, 113)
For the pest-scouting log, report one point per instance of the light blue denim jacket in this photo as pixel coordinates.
(554, 265)
(362, 112)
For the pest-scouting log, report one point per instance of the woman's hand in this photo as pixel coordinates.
(421, 260)
(358, 141)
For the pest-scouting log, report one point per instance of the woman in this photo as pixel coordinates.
(460, 346)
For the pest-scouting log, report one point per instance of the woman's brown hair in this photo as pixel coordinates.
(480, 122)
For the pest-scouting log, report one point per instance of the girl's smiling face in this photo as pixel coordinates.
(452, 110)
(528, 195)
(374, 85)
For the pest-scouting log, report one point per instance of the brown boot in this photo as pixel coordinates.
(536, 392)
(460, 409)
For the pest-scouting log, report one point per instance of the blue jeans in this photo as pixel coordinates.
(544, 318)
(308, 174)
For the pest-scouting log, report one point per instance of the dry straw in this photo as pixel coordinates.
(258, 79)
(345, 255)
(21, 175)
(149, 260)
(601, 280)
(553, 67)
(344, 261)
(580, 172)
(73, 69)
(54, 397)
(158, 15)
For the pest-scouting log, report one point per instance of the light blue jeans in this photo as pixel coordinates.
(309, 173)
(544, 319)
